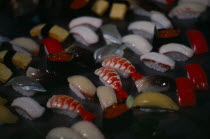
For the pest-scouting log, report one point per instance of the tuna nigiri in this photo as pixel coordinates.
(111, 78)
(52, 46)
(69, 106)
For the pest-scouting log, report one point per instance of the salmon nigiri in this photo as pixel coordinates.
(111, 78)
(69, 106)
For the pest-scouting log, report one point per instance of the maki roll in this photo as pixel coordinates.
(88, 130)
(177, 52)
(12, 58)
(158, 61)
(82, 86)
(28, 108)
(5, 73)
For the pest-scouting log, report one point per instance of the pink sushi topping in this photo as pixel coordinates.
(111, 77)
(123, 64)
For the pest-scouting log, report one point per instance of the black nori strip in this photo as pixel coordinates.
(8, 58)
(45, 30)
(6, 46)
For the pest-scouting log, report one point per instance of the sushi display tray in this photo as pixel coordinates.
(191, 122)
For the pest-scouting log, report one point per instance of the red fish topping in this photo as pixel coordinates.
(168, 33)
(111, 77)
(186, 95)
(78, 4)
(122, 64)
(69, 104)
(60, 56)
(198, 41)
(198, 76)
(52, 45)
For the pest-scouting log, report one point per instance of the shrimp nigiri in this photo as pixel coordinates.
(69, 106)
(111, 78)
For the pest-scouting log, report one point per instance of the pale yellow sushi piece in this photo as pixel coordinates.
(5, 73)
(7, 117)
(118, 11)
(100, 7)
(2, 101)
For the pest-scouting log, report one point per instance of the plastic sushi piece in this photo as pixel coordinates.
(26, 43)
(26, 85)
(198, 76)
(2, 101)
(177, 52)
(63, 133)
(85, 20)
(84, 35)
(28, 108)
(198, 41)
(82, 86)
(106, 96)
(187, 10)
(50, 30)
(60, 56)
(108, 50)
(6, 116)
(203, 2)
(52, 46)
(111, 78)
(5, 73)
(137, 44)
(111, 34)
(158, 61)
(68, 106)
(153, 99)
(185, 92)
(88, 130)
(123, 66)
(12, 58)
(78, 4)
(145, 29)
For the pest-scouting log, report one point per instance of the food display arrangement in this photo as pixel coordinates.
(110, 69)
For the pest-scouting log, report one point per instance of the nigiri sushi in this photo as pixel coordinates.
(26, 85)
(145, 29)
(123, 66)
(111, 34)
(26, 43)
(106, 96)
(88, 130)
(86, 20)
(84, 35)
(108, 50)
(111, 78)
(203, 2)
(63, 133)
(177, 52)
(50, 30)
(6, 116)
(51, 46)
(198, 41)
(68, 106)
(28, 108)
(82, 86)
(198, 76)
(5, 73)
(12, 58)
(137, 44)
(158, 61)
(187, 10)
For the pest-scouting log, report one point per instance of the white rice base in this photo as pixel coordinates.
(86, 20)
(23, 92)
(137, 44)
(159, 59)
(76, 91)
(160, 19)
(175, 47)
(84, 35)
(107, 96)
(30, 106)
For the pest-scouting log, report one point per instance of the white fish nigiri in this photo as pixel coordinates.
(28, 108)
(145, 29)
(84, 35)
(106, 96)
(63, 133)
(160, 19)
(178, 52)
(85, 20)
(187, 11)
(88, 130)
(26, 43)
(137, 44)
(82, 86)
(158, 61)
